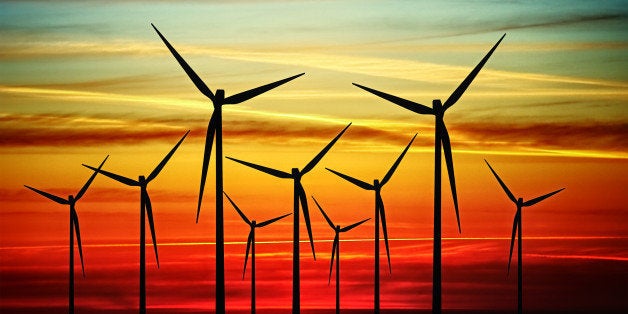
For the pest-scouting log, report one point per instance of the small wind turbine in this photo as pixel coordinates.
(299, 198)
(441, 137)
(146, 209)
(215, 129)
(250, 245)
(335, 250)
(74, 226)
(516, 228)
(380, 212)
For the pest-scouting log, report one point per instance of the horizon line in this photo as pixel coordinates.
(320, 241)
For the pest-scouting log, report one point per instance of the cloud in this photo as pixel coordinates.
(559, 135)
(25, 130)
(533, 22)
(412, 70)
(50, 130)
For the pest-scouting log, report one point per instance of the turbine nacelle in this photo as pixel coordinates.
(219, 98)
(296, 174)
(376, 185)
(438, 108)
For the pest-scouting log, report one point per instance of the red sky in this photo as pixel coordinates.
(81, 82)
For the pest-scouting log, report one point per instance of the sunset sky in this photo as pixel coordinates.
(80, 81)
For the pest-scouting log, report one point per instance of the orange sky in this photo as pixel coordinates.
(547, 111)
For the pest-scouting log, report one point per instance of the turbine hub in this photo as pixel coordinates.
(220, 96)
(296, 173)
(438, 107)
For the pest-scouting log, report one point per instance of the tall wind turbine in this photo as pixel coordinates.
(146, 209)
(335, 250)
(299, 198)
(250, 245)
(215, 129)
(74, 227)
(516, 228)
(441, 137)
(380, 212)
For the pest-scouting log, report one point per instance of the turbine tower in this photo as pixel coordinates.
(299, 200)
(215, 129)
(335, 250)
(441, 138)
(250, 245)
(380, 212)
(516, 228)
(74, 227)
(146, 209)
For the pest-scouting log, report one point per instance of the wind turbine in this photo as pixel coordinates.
(250, 245)
(516, 228)
(380, 212)
(299, 198)
(214, 128)
(441, 137)
(335, 249)
(74, 227)
(146, 209)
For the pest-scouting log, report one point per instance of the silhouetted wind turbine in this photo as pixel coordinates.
(335, 250)
(299, 198)
(146, 208)
(441, 137)
(250, 245)
(380, 212)
(516, 227)
(215, 129)
(74, 226)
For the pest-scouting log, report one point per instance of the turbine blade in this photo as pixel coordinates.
(270, 221)
(515, 223)
(394, 166)
(333, 253)
(510, 195)
(246, 95)
(450, 169)
(49, 196)
(349, 227)
(188, 70)
(467, 81)
(382, 214)
(306, 216)
(271, 171)
(353, 180)
(410, 105)
(209, 140)
(77, 229)
(322, 153)
(331, 224)
(161, 165)
(248, 247)
(151, 223)
(248, 222)
(540, 198)
(117, 177)
(89, 181)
